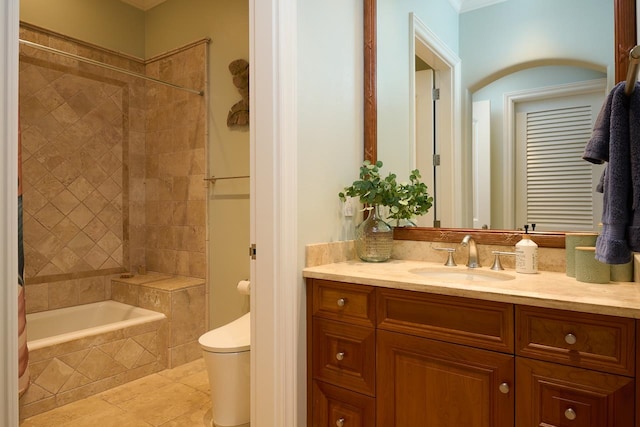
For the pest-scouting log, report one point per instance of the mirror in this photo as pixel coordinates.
(624, 19)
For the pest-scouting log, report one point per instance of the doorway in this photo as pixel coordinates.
(445, 122)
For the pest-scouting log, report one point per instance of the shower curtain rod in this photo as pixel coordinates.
(213, 179)
(110, 67)
(632, 72)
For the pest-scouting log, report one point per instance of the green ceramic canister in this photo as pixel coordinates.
(588, 268)
(622, 272)
(573, 240)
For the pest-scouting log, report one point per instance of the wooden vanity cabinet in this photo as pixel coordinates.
(386, 357)
(340, 354)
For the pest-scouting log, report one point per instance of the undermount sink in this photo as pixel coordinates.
(469, 275)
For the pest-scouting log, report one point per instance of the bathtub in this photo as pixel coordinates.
(76, 352)
(48, 328)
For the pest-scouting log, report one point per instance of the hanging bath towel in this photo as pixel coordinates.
(23, 351)
(616, 140)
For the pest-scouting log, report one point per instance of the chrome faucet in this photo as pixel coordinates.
(473, 261)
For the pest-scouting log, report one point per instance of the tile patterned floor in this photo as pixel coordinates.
(176, 397)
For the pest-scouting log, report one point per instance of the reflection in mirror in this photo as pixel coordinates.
(486, 58)
(543, 90)
(540, 120)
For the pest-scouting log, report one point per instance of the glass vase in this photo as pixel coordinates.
(374, 238)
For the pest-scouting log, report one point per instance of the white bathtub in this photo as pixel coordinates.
(52, 327)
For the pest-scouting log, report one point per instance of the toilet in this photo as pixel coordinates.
(226, 352)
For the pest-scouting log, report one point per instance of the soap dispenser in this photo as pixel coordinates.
(526, 255)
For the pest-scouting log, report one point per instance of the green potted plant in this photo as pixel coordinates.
(374, 237)
(410, 200)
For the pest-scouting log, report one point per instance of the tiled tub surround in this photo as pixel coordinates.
(68, 371)
(78, 128)
(174, 171)
(52, 327)
(113, 165)
(66, 293)
(181, 299)
(114, 170)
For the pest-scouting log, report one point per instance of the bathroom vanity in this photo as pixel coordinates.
(392, 345)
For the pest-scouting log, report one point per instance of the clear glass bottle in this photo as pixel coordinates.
(374, 238)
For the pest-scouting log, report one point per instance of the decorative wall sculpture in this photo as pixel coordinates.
(239, 112)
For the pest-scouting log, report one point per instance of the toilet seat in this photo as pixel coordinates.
(234, 337)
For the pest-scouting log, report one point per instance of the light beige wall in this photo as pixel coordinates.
(226, 22)
(111, 24)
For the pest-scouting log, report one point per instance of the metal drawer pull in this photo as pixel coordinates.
(504, 388)
(340, 422)
(342, 302)
(570, 339)
(570, 414)
(340, 355)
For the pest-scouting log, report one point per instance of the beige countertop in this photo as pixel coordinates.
(544, 289)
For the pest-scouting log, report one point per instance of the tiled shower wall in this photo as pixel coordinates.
(113, 169)
(175, 164)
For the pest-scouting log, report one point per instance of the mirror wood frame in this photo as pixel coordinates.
(625, 40)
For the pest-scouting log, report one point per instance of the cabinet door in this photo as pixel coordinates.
(334, 406)
(553, 395)
(428, 383)
(344, 355)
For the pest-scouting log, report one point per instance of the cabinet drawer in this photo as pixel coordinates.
(345, 302)
(344, 355)
(335, 406)
(483, 324)
(599, 342)
(557, 396)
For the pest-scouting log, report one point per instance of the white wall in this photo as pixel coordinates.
(330, 113)
(330, 133)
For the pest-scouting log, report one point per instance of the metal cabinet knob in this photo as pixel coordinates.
(570, 339)
(340, 422)
(570, 414)
(341, 302)
(504, 388)
(340, 355)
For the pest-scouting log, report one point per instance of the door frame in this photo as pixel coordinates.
(277, 392)
(425, 44)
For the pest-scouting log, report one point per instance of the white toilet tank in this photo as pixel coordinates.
(226, 353)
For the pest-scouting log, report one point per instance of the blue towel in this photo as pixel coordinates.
(616, 140)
